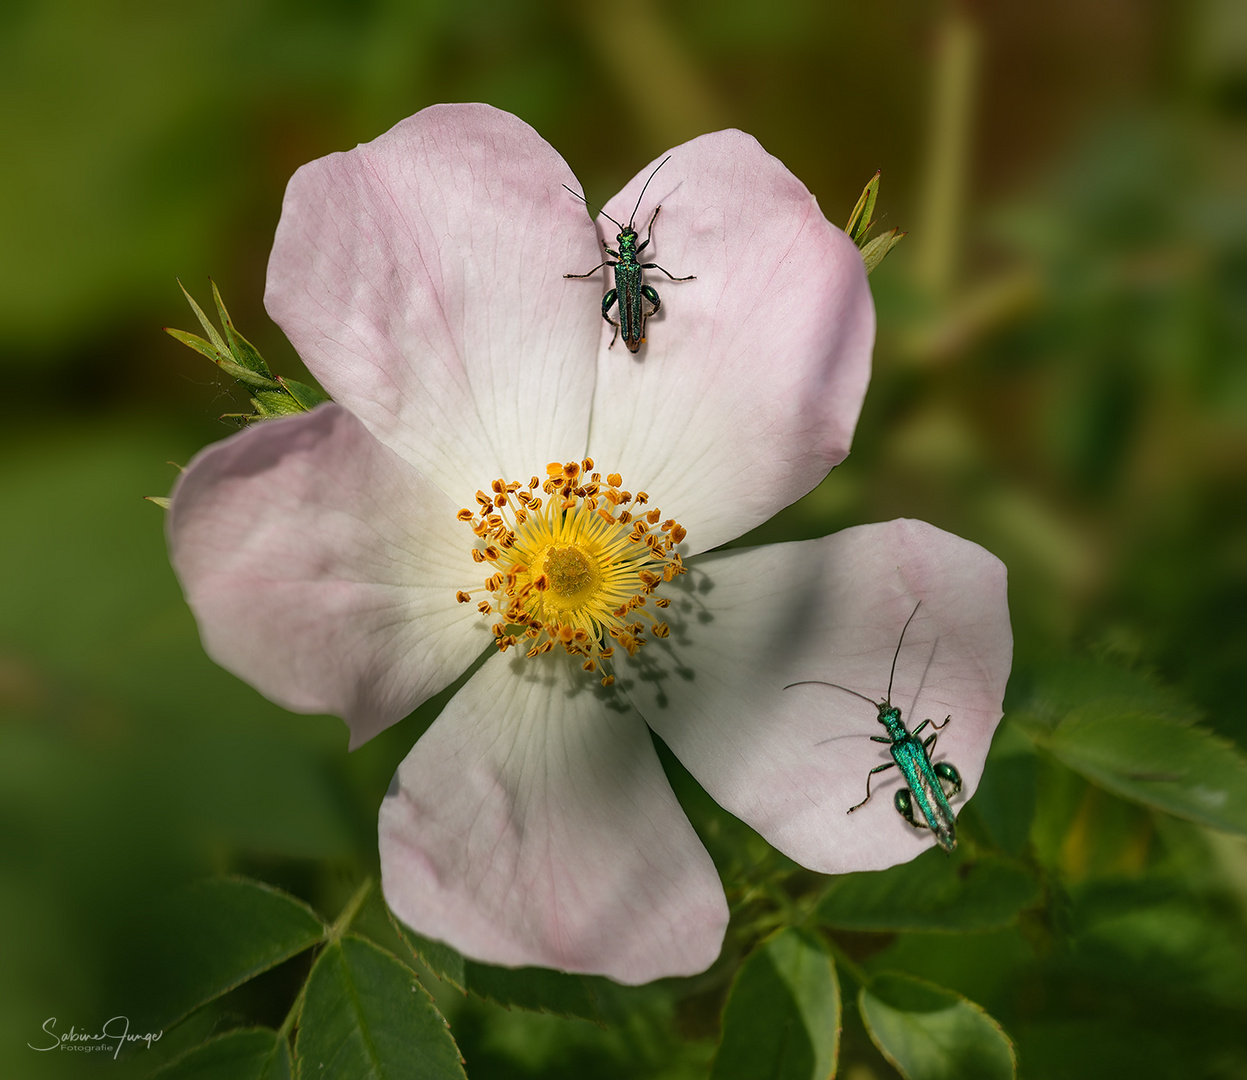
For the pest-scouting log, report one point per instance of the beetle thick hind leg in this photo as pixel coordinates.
(949, 777)
(607, 302)
(904, 804)
(651, 294)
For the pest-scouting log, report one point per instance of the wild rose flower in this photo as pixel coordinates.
(357, 559)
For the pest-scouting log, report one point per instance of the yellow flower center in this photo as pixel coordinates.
(574, 568)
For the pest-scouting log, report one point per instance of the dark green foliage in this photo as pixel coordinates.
(366, 1017)
(216, 935)
(539, 989)
(934, 892)
(782, 1018)
(243, 1054)
(929, 1033)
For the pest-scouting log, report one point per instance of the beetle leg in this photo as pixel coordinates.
(655, 266)
(648, 230)
(948, 773)
(594, 270)
(905, 807)
(876, 769)
(645, 243)
(651, 294)
(607, 301)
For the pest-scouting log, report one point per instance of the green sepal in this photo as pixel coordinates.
(861, 221)
(216, 339)
(242, 350)
(270, 404)
(271, 395)
(929, 1033)
(307, 396)
(873, 253)
(862, 217)
(225, 362)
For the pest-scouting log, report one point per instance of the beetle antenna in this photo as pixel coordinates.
(898, 649)
(820, 682)
(632, 219)
(603, 213)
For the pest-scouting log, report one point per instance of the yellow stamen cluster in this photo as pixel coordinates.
(573, 566)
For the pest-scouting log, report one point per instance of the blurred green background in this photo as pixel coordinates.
(1061, 376)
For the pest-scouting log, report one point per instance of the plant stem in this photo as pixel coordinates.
(343, 921)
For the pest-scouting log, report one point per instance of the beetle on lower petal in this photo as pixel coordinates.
(926, 780)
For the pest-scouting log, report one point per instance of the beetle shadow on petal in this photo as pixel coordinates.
(560, 672)
(688, 616)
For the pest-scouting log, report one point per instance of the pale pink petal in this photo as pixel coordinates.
(749, 386)
(533, 824)
(790, 763)
(420, 277)
(322, 569)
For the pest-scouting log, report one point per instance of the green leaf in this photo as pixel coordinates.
(929, 1033)
(932, 892)
(219, 933)
(535, 989)
(1155, 760)
(366, 1016)
(782, 1018)
(532, 988)
(1063, 685)
(1004, 804)
(863, 213)
(245, 1054)
(444, 961)
(873, 253)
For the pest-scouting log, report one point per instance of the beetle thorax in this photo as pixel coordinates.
(890, 718)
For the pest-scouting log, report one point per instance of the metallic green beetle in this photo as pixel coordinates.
(913, 755)
(630, 290)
